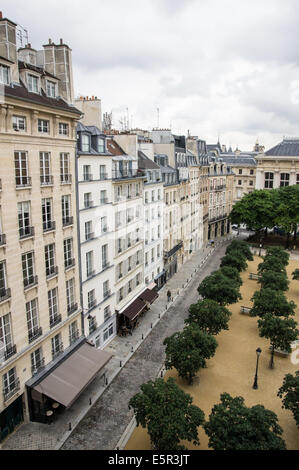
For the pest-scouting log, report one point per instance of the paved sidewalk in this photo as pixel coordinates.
(38, 436)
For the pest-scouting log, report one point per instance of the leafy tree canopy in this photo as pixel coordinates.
(241, 246)
(290, 393)
(219, 288)
(209, 316)
(271, 301)
(167, 413)
(274, 280)
(236, 259)
(234, 426)
(256, 210)
(232, 273)
(278, 252)
(295, 274)
(188, 350)
(272, 263)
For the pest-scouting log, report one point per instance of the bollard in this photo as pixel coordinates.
(162, 373)
(151, 325)
(70, 426)
(90, 401)
(132, 349)
(166, 306)
(142, 337)
(120, 364)
(159, 316)
(106, 381)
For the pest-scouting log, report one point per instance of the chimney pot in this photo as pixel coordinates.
(50, 41)
(61, 41)
(1, 15)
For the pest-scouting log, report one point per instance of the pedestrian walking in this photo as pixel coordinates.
(168, 295)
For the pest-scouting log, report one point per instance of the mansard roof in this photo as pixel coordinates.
(289, 147)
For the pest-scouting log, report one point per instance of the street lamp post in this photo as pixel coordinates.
(258, 353)
(260, 249)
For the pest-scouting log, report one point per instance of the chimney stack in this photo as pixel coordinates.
(1, 15)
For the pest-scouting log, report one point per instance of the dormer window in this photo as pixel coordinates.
(4, 75)
(33, 83)
(101, 145)
(51, 89)
(85, 144)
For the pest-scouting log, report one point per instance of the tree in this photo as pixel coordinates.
(219, 288)
(242, 246)
(271, 264)
(295, 274)
(188, 350)
(278, 252)
(233, 274)
(209, 316)
(286, 200)
(234, 426)
(236, 259)
(256, 210)
(274, 280)
(271, 301)
(280, 331)
(290, 391)
(167, 413)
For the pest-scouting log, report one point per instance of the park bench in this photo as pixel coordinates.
(282, 353)
(245, 310)
(254, 276)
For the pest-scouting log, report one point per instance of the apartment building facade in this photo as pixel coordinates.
(40, 312)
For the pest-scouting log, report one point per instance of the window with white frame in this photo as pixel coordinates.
(284, 179)
(106, 290)
(103, 197)
(24, 219)
(65, 176)
(66, 209)
(45, 167)
(88, 230)
(43, 126)
(6, 331)
(269, 177)
(32, 318)
(89, 263)
(50, 259)
(53, 305)
(37, 361)
(87, 200)
(4, 74)
(108, 332)
(91, 298)
(33, 83)
(107, 313)
(101, 145)
(63, 128)
(68, 252)
(28, 268)
(10, 381)
(103, 172)
(104, 256)
(73, 331)
(85, 143)
(104, 227)
(87, 172)
(21, 169)
(51, 89)
(70, 295)
(57, 346)
(47, 215)
(3, 283)
(19, 123)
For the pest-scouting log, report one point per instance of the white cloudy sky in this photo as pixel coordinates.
(228, 67)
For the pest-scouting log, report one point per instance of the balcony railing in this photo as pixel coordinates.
(23, 181)
(55, 320)
(67, 221)
(104, 200)
(88, 204)
(2, 239)
(72, 308)
(74, 336)
(92, 327)
(219, 217)
(13, 388)
(176, 248)
(103, 176)
(49, 226)
(51, 271)
(66, 179)
(69, 263)
(90, 273)
(5, 294)
(39, 366)
(92, 304)
(46, 180)
(105, 265)
(57, 351)
(26, 232)
(87, 177)
(30, 281)
(89, 236)
(34, 334)
(10, 351)
(107, 294)
(122, 174)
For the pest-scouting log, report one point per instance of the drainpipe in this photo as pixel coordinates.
(78, 235)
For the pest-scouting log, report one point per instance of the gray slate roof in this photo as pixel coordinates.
(286, 148)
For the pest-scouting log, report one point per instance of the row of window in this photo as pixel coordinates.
(155, 196)
(151, 259)
(147, 238)
(89, 256)
(122, 244)
(124, 291)
(251, 172)
(284, 179)
(46, 178)
(19, 123)
(124, 267)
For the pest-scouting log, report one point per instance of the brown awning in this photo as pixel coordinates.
(149, 296)
(134, 309)
(72, 376)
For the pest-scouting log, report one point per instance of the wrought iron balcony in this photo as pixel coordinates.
(13, 388)
(103, 176)
(30, 281)
(104, 200)
(38, 367)
(218, 218)
(23, 182)
(66, 179)
(51, 271)
(168, 254)
(69, 263)
(107, 294)
(87, 177)
(57, 351)
(55, 320)
(89, 236)
(92, 326)
(92, 303)
(67, 221)
(2, 239)
(105, 265)
(74, 336)
(124, 174)
(26, 232)
(72, 308)
(10, 351)
(46, 180)
(5, 294)
(34, 334)
(49, 226)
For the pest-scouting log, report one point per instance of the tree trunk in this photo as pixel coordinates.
(266, 231)
(295, 234)
(288, 240)
(272, 358)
